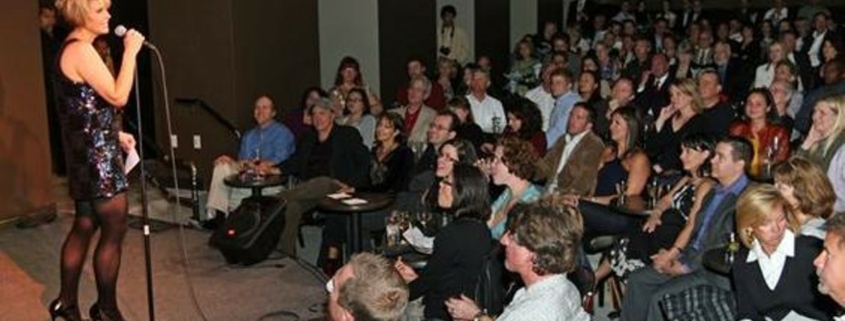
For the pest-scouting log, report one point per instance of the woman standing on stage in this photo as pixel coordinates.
(89, 101)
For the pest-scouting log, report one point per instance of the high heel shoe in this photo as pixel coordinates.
(98, 314)
(66, 313)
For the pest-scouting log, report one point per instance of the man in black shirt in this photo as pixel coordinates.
(717, 114)
(328, 159)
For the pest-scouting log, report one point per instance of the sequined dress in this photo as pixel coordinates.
(90, 136)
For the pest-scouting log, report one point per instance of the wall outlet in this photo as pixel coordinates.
(174, 141)
(197, 142)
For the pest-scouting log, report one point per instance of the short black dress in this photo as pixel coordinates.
(90, 136)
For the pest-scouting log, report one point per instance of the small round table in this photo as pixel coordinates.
(254, 183)
(374, 202)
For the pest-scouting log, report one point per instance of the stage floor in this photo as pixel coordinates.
(29, 276)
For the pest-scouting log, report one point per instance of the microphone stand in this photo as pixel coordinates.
(144, 205)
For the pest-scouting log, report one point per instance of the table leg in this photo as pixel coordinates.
(356, 233)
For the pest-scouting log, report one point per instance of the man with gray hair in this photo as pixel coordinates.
(416, 114)
(487, 111)
(367, 288)
(329, 159)
(830, 264)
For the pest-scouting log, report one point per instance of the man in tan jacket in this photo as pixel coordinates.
(572, 163)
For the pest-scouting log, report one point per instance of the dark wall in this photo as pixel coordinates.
(549, 10)
(25, 169)
(227, 52)
(492, 33)
(406, 29)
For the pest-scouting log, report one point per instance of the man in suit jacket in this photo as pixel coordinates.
(328, 159)
(830, 264)
(653, 91)
(572, 164)
(674, 270)
(416, 114)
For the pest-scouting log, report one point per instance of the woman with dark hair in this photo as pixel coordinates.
(624, 169)
(459, 248)
(357, 115)
(512, 165)
(524, 122)
(390, 172)
(299, 120)
(770, 140)
(669, 226)
(349, 76)
(467, 128)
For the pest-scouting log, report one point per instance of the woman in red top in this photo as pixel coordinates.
(770, 140)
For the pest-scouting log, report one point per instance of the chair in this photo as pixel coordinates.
(603, 244)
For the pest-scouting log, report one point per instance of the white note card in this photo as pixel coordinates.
(132, 160)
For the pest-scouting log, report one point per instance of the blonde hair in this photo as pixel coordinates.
(376, 291)
(75, 11)
(756, 206)
(836, 104)
(690, 88)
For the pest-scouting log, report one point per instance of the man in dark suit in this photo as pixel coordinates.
(653, 90)
(329, 159)
(733, 77)
(571, 165)
(674, 270)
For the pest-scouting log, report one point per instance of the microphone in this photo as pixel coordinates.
(120, 31)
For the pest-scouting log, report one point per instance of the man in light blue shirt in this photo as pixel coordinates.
(268, 143)
(565, 98)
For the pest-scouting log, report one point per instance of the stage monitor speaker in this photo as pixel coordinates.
(252, 231)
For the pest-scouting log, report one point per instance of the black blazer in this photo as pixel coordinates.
(795, 290)
(653, 98)
(350, 160)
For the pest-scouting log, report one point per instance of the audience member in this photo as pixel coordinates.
(512, 165)
(770, 141)
(525, 70)
(809, 193)
(830, 264)
(452, 40)
(827, 134)
(717, 114)
(771, 271)
(565, 98)
(299, 120)
(357, 115)
(367, 288)
(487, 111)
(523, 123)
(349, 76)
(267, 144)
(416, 114)
(330, 158)
(570, 164)
(647, 286)
(653, 90)
(541, 244)
(766, 72)
(542, 96)
(459, 248)
(674, 122)
(435, 99)
(467, 128)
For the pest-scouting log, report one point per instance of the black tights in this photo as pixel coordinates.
(110, 216)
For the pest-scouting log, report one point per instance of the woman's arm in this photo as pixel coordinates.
(664, 204)
(638, 172)
(684, 236)
(85, 63)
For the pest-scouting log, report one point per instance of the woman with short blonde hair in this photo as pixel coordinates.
(772, 270)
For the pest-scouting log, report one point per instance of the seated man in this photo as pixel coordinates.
(328, 159)
(416, 68)
(540, 246)
(367, 288)
(678, 269)
(570, 166)
(268, 143)
(830, 264)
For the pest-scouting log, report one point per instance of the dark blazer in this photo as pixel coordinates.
(579, 173)
(795, 290)
(654, 98)
(350, 160)
(722, 223)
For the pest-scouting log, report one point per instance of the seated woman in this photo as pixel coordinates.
(770, 141)
(808, 191)
(681, 118)
(459, 248)
(624, 170)
(390, 171)
(784, 95)
(467, 128)
(524, 122)
(347, 77)
(773, 273)
(512, 165)
(671, 222)
(358, 115)
(827, 134)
